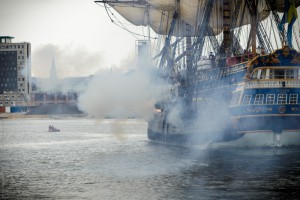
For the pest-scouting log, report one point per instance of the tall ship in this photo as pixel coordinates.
(231, 68)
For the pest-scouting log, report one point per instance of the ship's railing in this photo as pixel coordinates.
(213, 74)
(210, 88)
(239, 59)
(272, 83)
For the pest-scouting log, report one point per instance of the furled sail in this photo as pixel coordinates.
(133, 12)
(158, 14)
(161, 23)
(190, 11)
(167, 5)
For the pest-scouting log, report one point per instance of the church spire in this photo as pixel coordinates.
(53, 75)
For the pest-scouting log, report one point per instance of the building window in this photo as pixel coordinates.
(247, 99)
(259, 99)
(293, 98)
(281, 99)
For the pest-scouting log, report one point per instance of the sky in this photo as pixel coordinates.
(78, 34)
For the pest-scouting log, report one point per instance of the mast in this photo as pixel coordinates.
(194, 51)
(252, 6)
(226, 27)
(189, 69)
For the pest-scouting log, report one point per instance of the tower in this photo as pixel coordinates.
(53, 74)
(142, 53)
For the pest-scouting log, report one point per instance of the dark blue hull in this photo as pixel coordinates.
(206, 125)
(276, 124)
(191, 136)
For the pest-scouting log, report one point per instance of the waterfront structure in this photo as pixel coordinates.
(53, 90)
(15, 72)
(64, 91)
(19, 92)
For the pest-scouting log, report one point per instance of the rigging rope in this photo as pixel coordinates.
(122, 26)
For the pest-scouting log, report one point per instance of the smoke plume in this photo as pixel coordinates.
(120, 95)
(70, 61)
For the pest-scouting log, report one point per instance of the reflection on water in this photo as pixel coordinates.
(111, 159)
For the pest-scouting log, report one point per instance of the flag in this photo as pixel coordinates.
(290, 15)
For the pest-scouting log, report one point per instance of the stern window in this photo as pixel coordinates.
(263, 73)
(281, 99)
(254, 75)
(259, 99)
(247, 100)
(259, 74)
(268, 74)
(271, 74)
(279, 73)
(270, 99)
(289, 73)
(293, 98)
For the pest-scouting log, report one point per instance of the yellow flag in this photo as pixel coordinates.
(292, 12)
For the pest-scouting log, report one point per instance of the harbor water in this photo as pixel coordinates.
(113, 159)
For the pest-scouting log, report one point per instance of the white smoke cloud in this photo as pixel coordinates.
(118, 94)
(70, 61)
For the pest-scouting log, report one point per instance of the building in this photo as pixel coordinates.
(19, 92)
(66, 91)
(142, 51)
(15, 72)
(53, 90)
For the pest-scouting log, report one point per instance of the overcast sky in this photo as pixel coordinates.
(77, 33)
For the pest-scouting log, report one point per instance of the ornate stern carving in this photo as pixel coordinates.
(272, 59)
(296, 59)
(286, 51)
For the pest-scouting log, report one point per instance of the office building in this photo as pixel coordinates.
(15, 72)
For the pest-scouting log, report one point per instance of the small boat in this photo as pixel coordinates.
(53, 129)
